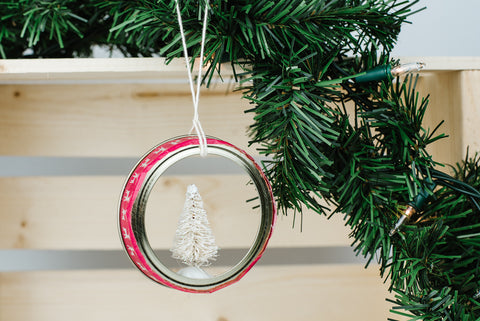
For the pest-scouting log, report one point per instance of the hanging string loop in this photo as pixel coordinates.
(197, 126)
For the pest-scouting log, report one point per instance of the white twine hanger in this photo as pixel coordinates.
(195, 94)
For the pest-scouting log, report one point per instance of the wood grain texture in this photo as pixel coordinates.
(112, 119)
(125, 120)
(454, 98)
(470, 106)
(96, 68)
(444, 90)
(300, 293)
(80, 213)
(45, 70)
(444, 63)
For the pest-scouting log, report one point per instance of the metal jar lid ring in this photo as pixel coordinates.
(135, 195)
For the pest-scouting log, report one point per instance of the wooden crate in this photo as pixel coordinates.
(69, 130)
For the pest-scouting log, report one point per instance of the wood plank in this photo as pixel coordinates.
(470, 111)
(109, 69)
(112, 120)
(444, 89)
(112, 69)
(444, 63)
(454, 97)
(80, 213)
(128, 119)
(301, 293)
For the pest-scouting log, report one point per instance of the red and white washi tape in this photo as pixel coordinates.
(135, 196)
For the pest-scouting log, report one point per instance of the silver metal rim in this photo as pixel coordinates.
(262, 236)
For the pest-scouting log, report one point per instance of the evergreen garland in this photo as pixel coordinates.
(359, 145)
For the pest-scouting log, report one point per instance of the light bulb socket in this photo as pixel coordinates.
(376, 74)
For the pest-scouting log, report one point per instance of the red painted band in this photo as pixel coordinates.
(132, 189)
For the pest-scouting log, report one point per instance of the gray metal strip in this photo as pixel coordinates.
(14, 166)
(41, 260)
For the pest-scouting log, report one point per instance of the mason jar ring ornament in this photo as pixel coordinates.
(137, 190)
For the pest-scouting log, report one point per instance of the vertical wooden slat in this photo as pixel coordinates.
(470, 105)
(445, 104)
(454, 98)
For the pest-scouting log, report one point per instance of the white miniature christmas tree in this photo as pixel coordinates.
(194, 243)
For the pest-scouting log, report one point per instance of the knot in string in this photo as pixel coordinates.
(197, 126)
